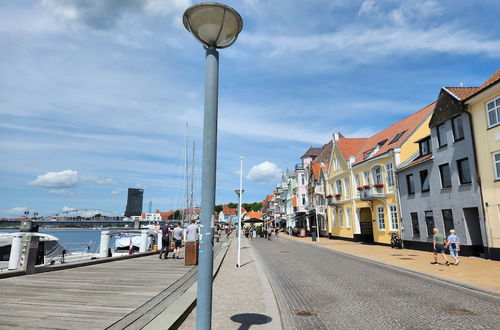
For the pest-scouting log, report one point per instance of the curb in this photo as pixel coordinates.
(464, 285)
(173, 316)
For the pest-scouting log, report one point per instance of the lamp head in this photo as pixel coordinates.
(213, 24)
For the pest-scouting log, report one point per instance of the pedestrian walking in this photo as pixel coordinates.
(269, 232)
(165, 240)
(192, 232)
(453, 244)
(177, 234)
(276, 232)
(438, 244)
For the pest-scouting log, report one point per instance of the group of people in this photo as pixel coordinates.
(251, 232)
(440, 244)
(177, 235)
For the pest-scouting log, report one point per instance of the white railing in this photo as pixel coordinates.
(320, 190)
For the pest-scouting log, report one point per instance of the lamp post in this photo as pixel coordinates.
(215, 26)
(239, 192)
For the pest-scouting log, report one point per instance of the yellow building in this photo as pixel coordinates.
(361, 181)
(483, 104)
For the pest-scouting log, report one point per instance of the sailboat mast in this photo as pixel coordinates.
(192, 184)
(186, 174)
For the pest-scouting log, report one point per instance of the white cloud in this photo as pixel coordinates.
(117, 191)
(63, 179)
(63, 192)
(67, 208)
(265, 172)
(17, 210)
(105, 181)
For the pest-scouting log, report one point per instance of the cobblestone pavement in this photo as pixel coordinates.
(321, 289)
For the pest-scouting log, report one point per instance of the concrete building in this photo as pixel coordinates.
(439, 189)
(134, 202)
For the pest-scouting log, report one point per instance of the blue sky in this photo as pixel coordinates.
(95, 95)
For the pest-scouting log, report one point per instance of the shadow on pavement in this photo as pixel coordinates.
(246, 263)
(249, 319)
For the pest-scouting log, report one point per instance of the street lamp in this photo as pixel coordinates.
(239, 192)
(215, 26)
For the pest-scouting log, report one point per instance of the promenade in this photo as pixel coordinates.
(124, 294)
(472, 271)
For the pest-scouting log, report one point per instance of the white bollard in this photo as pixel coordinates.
(15, 252)
(144, 241)
(160, 241)
(103, 251)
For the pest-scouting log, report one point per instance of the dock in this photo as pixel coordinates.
(121, 294)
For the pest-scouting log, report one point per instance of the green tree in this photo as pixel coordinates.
(218, 208)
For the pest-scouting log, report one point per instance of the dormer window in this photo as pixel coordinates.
(397, 137)
(425, 146)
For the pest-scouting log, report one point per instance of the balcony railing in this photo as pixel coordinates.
(334, 201)
(320, 190)
(321, 209)
(371, 193)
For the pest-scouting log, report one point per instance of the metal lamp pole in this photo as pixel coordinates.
(215, 26)
(240, 193)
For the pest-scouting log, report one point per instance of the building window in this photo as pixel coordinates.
(414, 224)
(380, 218)
(424, 180)
(397, 137)
(441, 135)
(393, 211)
(377, 174)
(339, 187)
(303, 199)
(334, 218)
(429, 221)
(410, 184)
(346, 187)
(341, 220)
(303, 179)
(448, 221)
(424, 147)
(496, 165)
(348, 217)
(358, 181)
(444, 170)
(458, 128)
(367, 177)
(390, 174)
(493, 109)
(464, 171)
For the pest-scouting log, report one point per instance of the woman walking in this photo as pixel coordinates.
(453, 244)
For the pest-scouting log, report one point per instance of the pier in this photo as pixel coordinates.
(121, 294)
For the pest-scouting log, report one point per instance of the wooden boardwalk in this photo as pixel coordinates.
(90, 297)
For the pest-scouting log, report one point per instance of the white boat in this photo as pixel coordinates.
(50, 250)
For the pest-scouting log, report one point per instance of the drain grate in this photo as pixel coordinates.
(305, 313)
(458, 311)
(405, 258)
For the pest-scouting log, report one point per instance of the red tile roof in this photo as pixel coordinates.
(350, 146)
(294, 201)
(405, 126)
(254, 214)
(463, 93)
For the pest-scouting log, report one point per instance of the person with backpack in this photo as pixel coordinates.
(453, 244)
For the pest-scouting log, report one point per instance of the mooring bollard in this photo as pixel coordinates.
(159, 241)
(144, 241)
(103, 251)
(15, 252)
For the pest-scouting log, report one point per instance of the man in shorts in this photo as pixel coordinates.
(178, 235)
(438, 244)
